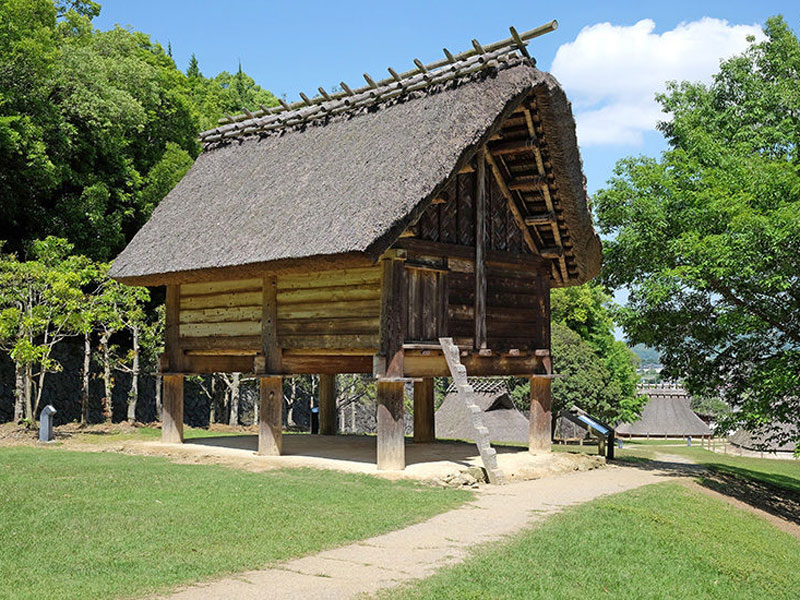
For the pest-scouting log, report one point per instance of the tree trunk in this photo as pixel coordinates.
(87, 357)
(133, 395)
(19, 393)
(107, 413)
(234, 417)
(29, 393)
(158, 395)
(39, 388)
(256, 406)
(212, 407)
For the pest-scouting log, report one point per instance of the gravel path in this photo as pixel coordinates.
(419, 550)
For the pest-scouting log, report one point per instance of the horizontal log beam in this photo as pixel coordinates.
(434, 365)
(552, 252)
(544, 218)
(493, 257)
(526, 185)
(513, 147)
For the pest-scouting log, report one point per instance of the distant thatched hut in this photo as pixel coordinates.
(349, 232)
(499, 415)
(766, 440)
(668, 413)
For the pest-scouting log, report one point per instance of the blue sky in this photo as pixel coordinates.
(292, 47)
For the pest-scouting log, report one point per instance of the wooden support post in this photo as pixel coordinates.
(391, 439)
(480, 251)
(327, 404)
(424, 430)
(541, 416)
(172, 410)
(269, 326)
(393, 306)
(270, 416)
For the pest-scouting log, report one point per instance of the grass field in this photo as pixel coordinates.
(105, 525)
(777, 472)
(659, 542)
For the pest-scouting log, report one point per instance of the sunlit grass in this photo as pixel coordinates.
(106, 525)
(659, 542)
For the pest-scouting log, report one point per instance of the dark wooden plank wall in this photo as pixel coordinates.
(518, 302)
(517, 313)
(453, 221)
(426, 304)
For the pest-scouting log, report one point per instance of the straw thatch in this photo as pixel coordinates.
(668, 413)
(348, 185)
(767, 439)
(499, 415)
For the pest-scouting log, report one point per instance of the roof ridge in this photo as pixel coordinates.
(497, 54)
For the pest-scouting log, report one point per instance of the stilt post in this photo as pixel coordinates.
(541, 415)
(424, 429)
(172, 411)
(391, 440)
(270, 422)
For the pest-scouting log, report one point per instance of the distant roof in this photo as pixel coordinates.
(346, 177)
(499, 415)
(666, 415)
(765, 439)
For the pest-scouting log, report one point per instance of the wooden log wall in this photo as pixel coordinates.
(330, 309)
(517, 307)
(220, 323)
(221, 316)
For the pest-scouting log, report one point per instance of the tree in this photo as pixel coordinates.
(707, 237)
(96, 126)
(119, 307)
(588, 311)
(152, 346)
(135, 321)
(584, 380)
(193, 70)
(40, 300)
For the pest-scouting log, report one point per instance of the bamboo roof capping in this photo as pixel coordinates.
(477, 58)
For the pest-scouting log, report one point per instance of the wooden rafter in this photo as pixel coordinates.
(556, 232)
(540, 166)
(534, 245)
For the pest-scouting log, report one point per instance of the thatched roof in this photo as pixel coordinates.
(766, 439)
(324, 184)
(499, 415)
(667, 413)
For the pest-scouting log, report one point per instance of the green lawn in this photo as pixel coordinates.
(105, 525)
(777, 472)
(658, 542)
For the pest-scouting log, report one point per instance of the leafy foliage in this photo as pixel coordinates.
(95, 126)
(585, 380)
(40, 303)
(707, 238)
(596, 371)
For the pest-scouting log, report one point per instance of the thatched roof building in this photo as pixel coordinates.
(344, 183)
(768, 439)
(353, 232)
(499, 415)
(668, 413)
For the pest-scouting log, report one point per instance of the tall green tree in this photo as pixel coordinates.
(95, 126)
(40, 304)
(595, 371)
(707, 238)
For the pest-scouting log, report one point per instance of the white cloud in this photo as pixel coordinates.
(612, 73)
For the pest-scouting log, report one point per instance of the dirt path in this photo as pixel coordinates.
(418, 551)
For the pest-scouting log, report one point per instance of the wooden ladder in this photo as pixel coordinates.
(465, 391)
